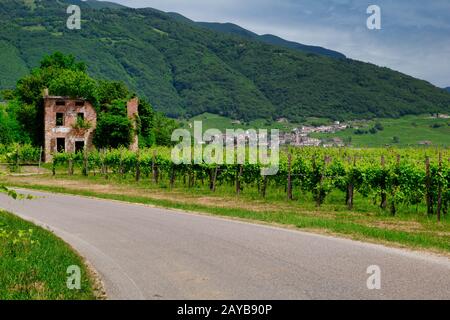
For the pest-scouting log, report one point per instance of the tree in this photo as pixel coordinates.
(63, 76)
(74, 84)
(163, 128)
(58, 60)
(379, 126)
(10, 129)
(111, 90)
(113, 131)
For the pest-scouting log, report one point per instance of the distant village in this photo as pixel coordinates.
(299, 137)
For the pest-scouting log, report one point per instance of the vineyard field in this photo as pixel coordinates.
(415, 178)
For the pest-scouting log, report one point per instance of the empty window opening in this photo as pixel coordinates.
(79, 103)
(60, 144)
(79, 146)
(80, 116)
(60, 103)
(59, 119)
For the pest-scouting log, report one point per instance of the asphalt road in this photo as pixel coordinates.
(148, 253)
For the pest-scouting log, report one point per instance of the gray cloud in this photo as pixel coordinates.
(415, 35)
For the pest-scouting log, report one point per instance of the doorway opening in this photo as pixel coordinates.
(60, 144)
(79, 146)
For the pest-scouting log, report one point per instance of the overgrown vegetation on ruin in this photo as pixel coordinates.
(21, 120)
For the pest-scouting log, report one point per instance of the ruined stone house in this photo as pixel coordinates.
(70, 124)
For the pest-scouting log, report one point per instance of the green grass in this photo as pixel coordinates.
(367, 222)
(410, 130)
(33, 264)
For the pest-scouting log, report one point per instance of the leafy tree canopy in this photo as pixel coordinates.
(60, 61)
(112, 131)
(74, 84)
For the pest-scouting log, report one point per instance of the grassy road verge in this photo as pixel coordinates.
(33, 264)
(413, 231)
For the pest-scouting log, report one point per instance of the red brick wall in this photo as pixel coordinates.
(132, 110)
(70, 111)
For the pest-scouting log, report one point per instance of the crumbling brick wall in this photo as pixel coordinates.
(133, 112)
(70, 109)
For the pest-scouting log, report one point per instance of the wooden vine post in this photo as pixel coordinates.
(429, 196)
(383, 204)
(394, 186)
(85, 163)
(314, 170)
(54, 167)
(446, 199)
(138, 166)
(289, 182)
(239, 172)
(264, 187)
(190, 178)
(103, 163)
(121, 170)
(439, 204)
(319, 195)
(40, 157)
(351, 187)
(70, 169)
(213, 178)
(173, 176)
(154, 175)
(17, 164)
(216, 173)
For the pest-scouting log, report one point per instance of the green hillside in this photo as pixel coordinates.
(186, 70)
(403, 132)
(12, 65)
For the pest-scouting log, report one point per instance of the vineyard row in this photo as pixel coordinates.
(410, 177)
(393, 176)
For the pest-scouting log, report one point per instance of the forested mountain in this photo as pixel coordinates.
(269, 39)
(448, 89)
(185, 69)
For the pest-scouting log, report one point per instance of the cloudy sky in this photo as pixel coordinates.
(414, 39)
